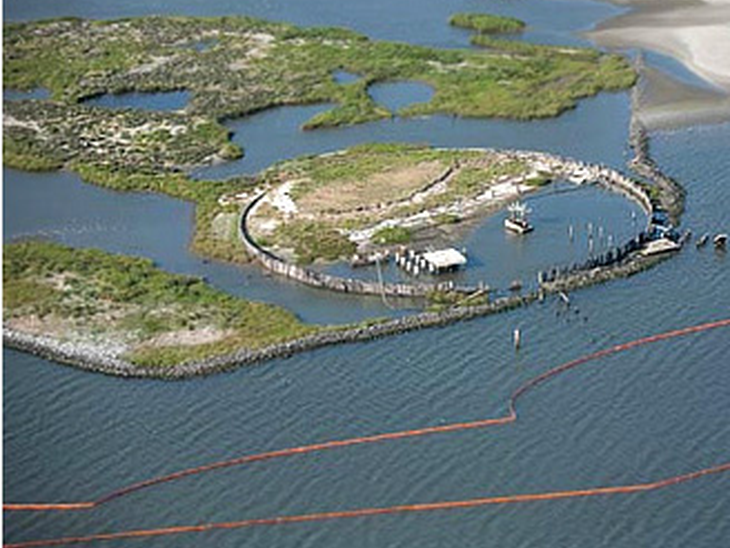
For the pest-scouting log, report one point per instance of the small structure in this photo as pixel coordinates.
(430, 262)
(517, 220)
(661, 245)
(444, 260)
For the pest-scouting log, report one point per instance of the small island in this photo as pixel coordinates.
(122, 315)
(234, 66)
(374, 196)
(125, 309)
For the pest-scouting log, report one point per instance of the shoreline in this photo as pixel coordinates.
(695, 33)
(101, 360)
(557, 166)
(96, 359)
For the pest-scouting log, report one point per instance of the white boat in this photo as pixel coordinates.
(720, 241)
(517, 220)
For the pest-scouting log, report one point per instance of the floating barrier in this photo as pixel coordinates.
(370, 512)
(510, 417)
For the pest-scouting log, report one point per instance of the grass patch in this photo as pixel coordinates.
(311, 240)
(258, 64)
(486, 23)
(347, 193)
(164, 318)
(539, 181)
(393, 235)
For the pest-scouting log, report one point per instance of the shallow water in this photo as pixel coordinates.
(595, 131)
(60, 207)
(397, 95)
(344, 77)
(496, 257)
(16, 95)
(653, 412)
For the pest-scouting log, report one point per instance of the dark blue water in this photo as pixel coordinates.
(424, 22)
(653, 412)
(60, 207)
(595, 131)
(168, 100)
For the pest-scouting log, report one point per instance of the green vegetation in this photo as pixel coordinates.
(539, 181)
(326, 204)
(392, 235)
(214, 201)
(485, 23)
(447, 219)
(161, 318)
(312, 240)
(440, 300)
(133, 151)
(255, 64)
(250, 65)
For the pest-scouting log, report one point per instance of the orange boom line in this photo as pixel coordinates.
(509, 418)
(365, 512)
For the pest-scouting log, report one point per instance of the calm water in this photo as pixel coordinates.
(344, 77)
(16, 95)
(654, 412)
(496, 257)
(397, 95)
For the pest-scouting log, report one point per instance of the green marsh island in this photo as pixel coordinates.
(129, 308)
(232, 67)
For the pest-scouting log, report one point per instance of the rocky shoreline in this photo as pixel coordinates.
(97, 359)
(626, 263)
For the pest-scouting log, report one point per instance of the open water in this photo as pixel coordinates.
(653, 412)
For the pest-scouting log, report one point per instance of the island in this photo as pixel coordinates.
(123, 316)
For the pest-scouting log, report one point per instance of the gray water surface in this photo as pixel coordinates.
(653, 412)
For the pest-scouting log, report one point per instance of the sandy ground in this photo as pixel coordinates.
(696, 32)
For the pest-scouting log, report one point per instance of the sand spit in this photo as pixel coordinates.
(695, 32)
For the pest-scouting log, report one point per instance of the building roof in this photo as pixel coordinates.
(445, 258)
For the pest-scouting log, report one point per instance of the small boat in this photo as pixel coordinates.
(703, 240)
(516, 285)
(720, 241)
(517, 220)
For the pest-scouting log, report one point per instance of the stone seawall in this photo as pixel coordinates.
(102, 360)
(671, 195)
(97, 359)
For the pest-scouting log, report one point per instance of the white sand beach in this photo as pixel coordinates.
(695, 32)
